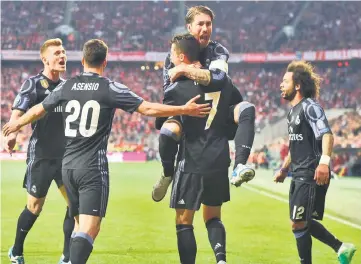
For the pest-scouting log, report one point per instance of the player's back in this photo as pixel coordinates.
(89, 103)
(205, 145)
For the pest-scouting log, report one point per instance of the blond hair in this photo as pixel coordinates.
(305, 76)
(196, 10)
(50, 42)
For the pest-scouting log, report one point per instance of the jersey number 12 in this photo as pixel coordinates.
(83, 130)
(215, 100)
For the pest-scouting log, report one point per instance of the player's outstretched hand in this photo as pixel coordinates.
(10, 127)
(10, 143)
(280, 176)
(191, 108)
(322, 174)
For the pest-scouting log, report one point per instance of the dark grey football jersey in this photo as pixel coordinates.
(307, 123)
(88, 103)
(204, 147)
(47, 140)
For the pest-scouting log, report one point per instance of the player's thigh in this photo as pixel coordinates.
(72, 190)
(187, 191)
(231, 125)
(302, 199)
(39, 175)
(93, 192)
(216, 188)
(319, 202)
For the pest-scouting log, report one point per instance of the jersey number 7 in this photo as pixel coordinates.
(83, 130)
(215, 100)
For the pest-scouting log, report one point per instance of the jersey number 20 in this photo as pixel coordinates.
(83, 130)
(215, 100)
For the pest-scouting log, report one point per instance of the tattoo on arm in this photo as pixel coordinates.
(201, 76)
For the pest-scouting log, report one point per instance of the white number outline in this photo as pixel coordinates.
(214, 97)
(297, 212)
(74, 104)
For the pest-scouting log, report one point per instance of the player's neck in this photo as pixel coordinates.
(51, 75)
(298, 98)
(94, 70)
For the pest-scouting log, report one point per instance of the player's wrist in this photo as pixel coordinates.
(284, 170)
(325, 159)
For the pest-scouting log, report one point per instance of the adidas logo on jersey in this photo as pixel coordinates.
(85, 86)
(58, 109)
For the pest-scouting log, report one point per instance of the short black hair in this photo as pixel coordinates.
(187, 44)
(95, 52)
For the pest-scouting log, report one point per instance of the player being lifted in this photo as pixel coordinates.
(46, 147)
(89, 101)
(241, 118)
(311, 143)
(202, 173)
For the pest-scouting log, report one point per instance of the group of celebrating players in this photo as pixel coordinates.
(201, 111)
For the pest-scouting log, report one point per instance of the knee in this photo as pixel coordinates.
(296, 226)
(246, 108)
(174, 127)
(184, 219)
(91, 231)
(35, 206)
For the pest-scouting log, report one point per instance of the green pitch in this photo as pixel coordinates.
(138, 230)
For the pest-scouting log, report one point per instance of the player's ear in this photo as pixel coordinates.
(189, 27)
(297, 87)
(43, 59)
(105, 63)
(82, 61)
(181, 57)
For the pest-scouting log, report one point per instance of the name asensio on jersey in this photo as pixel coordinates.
(85, 86)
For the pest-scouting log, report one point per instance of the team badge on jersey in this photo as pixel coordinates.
(44, 83)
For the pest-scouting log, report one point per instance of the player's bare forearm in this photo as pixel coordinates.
(201, 76)
(15, 115)
(327, 144)
(287, 162)
(191, 108)
(33, 114)
(159, 110)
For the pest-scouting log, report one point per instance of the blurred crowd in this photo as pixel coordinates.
(256, 26)
(340, 89)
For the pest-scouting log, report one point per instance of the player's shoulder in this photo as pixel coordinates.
(29, 84)
(218, 50)
(312, 108)
(116, 86)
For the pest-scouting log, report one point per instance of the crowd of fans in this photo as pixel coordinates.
(340, 89)
(148, 25)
